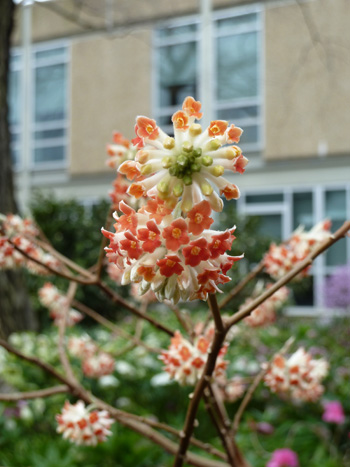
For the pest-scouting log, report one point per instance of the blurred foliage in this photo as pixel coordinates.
(28, 433)
(138, 386)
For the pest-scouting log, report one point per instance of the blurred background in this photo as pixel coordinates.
(80, 69)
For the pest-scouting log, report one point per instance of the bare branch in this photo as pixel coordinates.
(215, 311)
(18, 396)
(340, 233)
(240, 286)
(253, 386)
(113, 327)
(118, 299)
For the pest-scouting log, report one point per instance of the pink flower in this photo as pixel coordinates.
(283, 458)
(333, 412)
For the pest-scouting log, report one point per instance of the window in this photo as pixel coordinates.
(14, 98)
(236, 70)
(282, 211)
(177, 68)
(49, 105)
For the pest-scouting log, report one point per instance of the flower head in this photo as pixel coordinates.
(81, 425)
(171, 256)
(266, 312)
(185, 361)
(189, 165)
(120, 151)
(283, 458)
(333, 412)
(299, 375)
(56, 302)
(280, 259)
(97, 365)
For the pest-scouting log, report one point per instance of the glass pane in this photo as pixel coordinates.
(15, 155)
(268, 198)
(47, 134)
(48, 154)
(250, 134)
(237, 66)
(58, 53)
(336, 211)
(50, 93)
(15, 137)
(14, 97)
(303, 210)
(230, 24)
(177, 73)
(271, 226)
(303, 292)
(176, 31)
(238, 113)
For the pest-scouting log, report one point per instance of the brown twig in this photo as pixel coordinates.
(68, 262)
(54, 271)
(340, 233)
(224, 423)
(222, 431)
(183, 319)
(61, 335)
(215, 311)
(249, 394)
(240, 286)
(220, 336)
(113, 327)
(41, 364)
(104, 240)
(124, 418)
(17, 396)
(117, 299)
(198, 392)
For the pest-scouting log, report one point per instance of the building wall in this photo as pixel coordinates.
(110, 83)
(307, 79)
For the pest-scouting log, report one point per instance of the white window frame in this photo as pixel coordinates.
(65, 59)
(319, 269)
(159, 42)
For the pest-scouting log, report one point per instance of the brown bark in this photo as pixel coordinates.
(15, 312)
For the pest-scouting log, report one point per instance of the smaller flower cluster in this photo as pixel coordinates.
(266, 312)
(185, 361)
(299, 375)
(280, 259)
(175, 257)
(21, 232)
(56, 302)
(81, 425)
(95, 362)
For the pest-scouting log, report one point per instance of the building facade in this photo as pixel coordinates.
(279, 69)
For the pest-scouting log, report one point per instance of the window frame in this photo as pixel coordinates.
(36, 63)
(158, 42)
(320, 270)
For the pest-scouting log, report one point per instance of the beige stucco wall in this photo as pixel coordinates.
(307, 97)
(110, 85)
